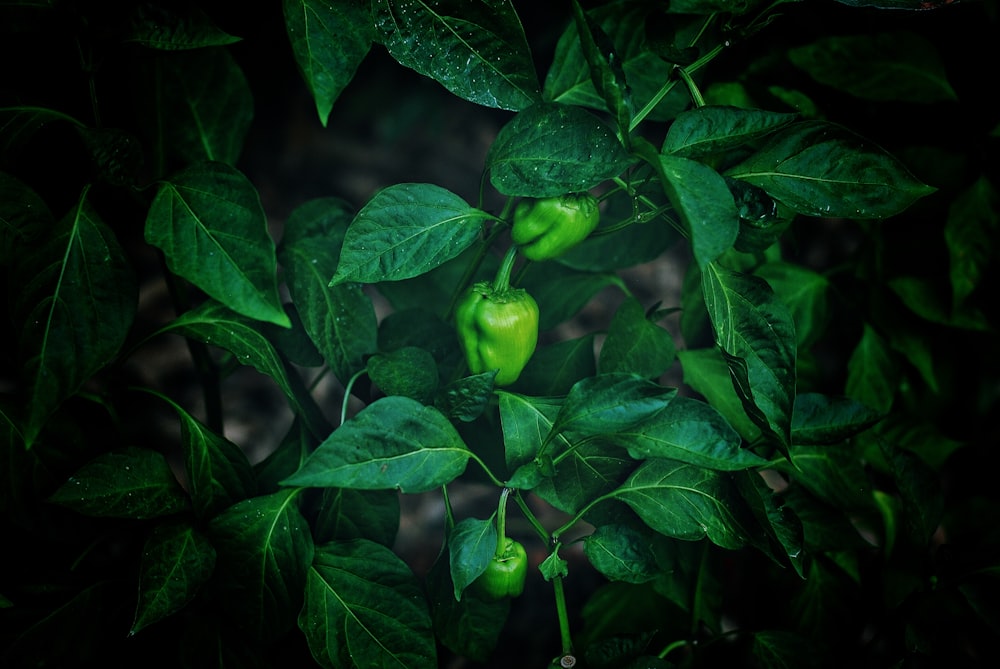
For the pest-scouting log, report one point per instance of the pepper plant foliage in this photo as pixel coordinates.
(755, 469)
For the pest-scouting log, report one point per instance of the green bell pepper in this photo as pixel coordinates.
(548, 227)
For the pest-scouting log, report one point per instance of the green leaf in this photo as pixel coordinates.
(219, 474)
(264, 550)
(553, 566)
(621, 553)
(804, 292)
(821, 169)
(635, 344)
(884, 67)
(919, 489)
(823, 419)
(198, 106)
(525, 421)
(713, 129)
(395, 442)
(755, 333)
(550, 149)
(783, 538)
(134, 483)
(834, 474)
(364, 608)
(824, 528)
(688, 430)
(75, 273)
(970, 233)
(706, 372)
(466, 399)
(562, 292)
(329, 42)
(173, 28)
(779, 649)
(472, 545)
(358, 514)
(340, 320)
(688, 502)
(409, 371)
(404, 231)
(554, 368)
(214, 324)
(872, 372)
(569, 78)
(609, 404)
(177, 560)
(582, 474)
(210, 225)
(19, 123)
(606, 71)
(23, 217)
(477, 50)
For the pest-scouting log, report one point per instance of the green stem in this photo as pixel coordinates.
(502, 521)
(539, 528)
(501, 284)
(564, 633)
(347, 395)
(471, 270)
(680, 643)
(669, 85)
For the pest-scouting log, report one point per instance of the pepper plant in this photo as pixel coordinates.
(781, 463)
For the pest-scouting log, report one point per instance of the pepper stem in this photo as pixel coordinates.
(502, 522)
(501, 284)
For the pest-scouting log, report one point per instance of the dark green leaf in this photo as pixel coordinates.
(688, 502)
(899, 67)
(285, 459)
(621, 553)
(970, 232)
(210, 225)
(329, 42)
(19, 123)
(116, 154)
(606, 71)
(553, 566)
(550, 149)
(689, 431)
(581, 475)
(364, 608)
(340, 320)
(757, 337)
(404, 231)
(712, 129)
(408, 371)
(214, 324)
(823, 419)
(135, 483)
(395, 442)
(783, 538)
(872, 372)
(609, 404)
(834, 474)
(176, 561)
(77, 298)
(472, 545)
(804, 293)
(554, 368)
(824, 528)
(199, 106)
(706, 371)
(525, 421)
(561, 292)
(264, 550)
(477, 50)
(467, 398)
(358, 514)
(170, 28)
(920, 492)
(635, 344)
(778, 649)
(23, 217)
(821, 169)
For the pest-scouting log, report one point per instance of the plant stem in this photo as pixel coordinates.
(502, 521)
(501, 284)
(561, 612)
(347, 395)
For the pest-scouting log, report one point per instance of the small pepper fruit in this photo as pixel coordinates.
(548, 227)
(505, 574)
(497, 329)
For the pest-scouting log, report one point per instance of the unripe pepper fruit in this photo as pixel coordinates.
(549, 227)
(497, 326)
(506, 573)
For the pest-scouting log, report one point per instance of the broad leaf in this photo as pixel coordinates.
(340, 320)
(404, 231)
(562, 292)
(477, 50)
(472, 544)
(636, 344)
(364, 608)
(713, 129)
(822, 419)
(609, 404)
(688, 430)
(173, 28)
(707, 373)
(19, 123)
(755, 334)
(872, 372)
(77, 299)
(606, 71)
(970, 233)
(135, 483)
(209, 223)
(580, 475)
(395, 442)
(688, 502)
(834, 474)
(621, 553)
(525, 421)
(821, 169)
(895, 67)
(329, 42)
(804, 292)
(358, 514)
(554, 368)
(466, 399)
(24, 216)
(264, 551)
(550, 149)
(409, 371)
(177, 560)
(214, 324)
